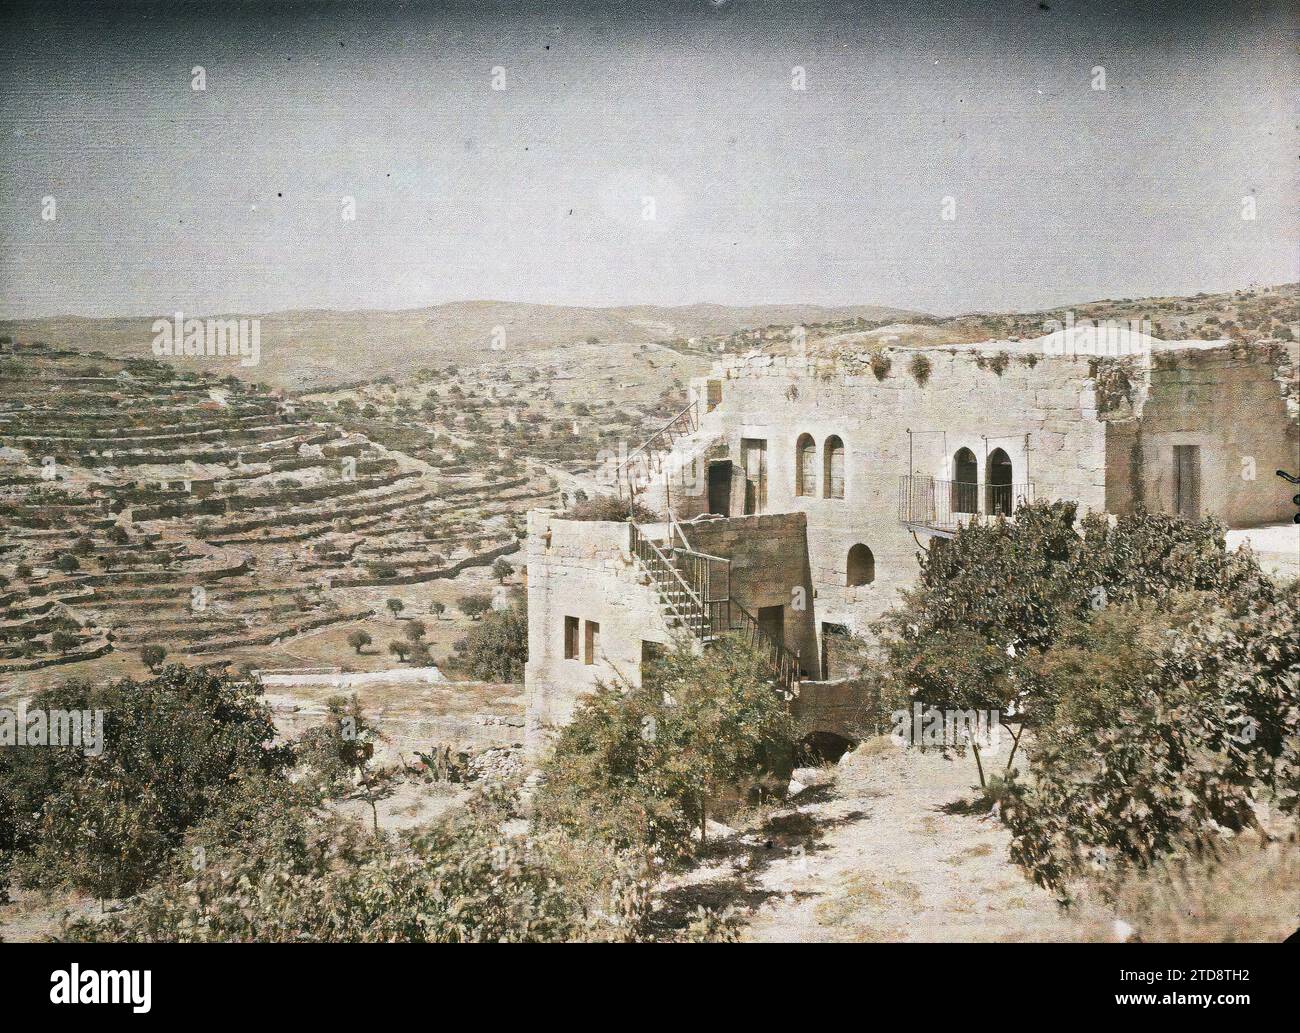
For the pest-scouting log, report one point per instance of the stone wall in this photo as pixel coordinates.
(1042, 415)
(585, 570)
(1226, 400)
(582, 569)
(769, 567)
(1041, 409)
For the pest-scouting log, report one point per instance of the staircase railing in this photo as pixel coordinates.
(728, 616)
(684, 581)
(680, 598)
(649, 455)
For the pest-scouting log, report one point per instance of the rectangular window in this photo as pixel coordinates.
(834, 468)
(753, 453)
(592, 644)
(570, 638)
(1187, 481)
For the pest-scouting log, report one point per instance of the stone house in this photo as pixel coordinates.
(795, 492)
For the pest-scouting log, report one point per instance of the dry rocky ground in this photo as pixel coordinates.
(877, 848)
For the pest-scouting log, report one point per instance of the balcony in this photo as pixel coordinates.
(930, 506)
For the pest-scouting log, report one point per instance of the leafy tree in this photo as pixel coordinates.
(105, 823)
(1000, 592)
(399, 649)
(152, 657)
(437, 608)
(67, 563)
(642, 767)
(496, 647)
(474, 604)
(359, 639)
(395, 606)
(415, 631)
(61, 641)
(1163, 730)
(502, 569)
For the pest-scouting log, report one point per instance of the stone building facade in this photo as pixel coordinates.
(876, 455)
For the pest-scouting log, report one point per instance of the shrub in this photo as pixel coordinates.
(458, 881)
(610, 507)
(105, 823)
(497, 646)
(152, 657)
(640, 768)
(1182, 739)
(880, 365)
(920, 369)
(474, 605)
(358, 640)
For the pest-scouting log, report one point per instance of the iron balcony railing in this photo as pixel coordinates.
(926, 503)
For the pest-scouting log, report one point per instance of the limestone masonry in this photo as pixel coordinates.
(797, 490)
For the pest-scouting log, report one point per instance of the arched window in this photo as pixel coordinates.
(805, 465)
(999, 483)
(861, 567)
(833, 461)
(965, 494)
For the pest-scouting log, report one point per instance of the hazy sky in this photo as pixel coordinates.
(231, 198)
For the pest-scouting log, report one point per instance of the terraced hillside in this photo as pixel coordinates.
(143, 507)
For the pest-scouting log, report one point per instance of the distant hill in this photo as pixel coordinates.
(315, 347)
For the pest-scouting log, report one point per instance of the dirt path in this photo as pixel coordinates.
(877, 853)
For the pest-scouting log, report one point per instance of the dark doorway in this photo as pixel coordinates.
(999, 483)
(1187, 481)
(861, 566)
(965, 495)
(720, 488)
(771, 622)
(753, 453)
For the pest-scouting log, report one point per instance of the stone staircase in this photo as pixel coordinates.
(684, 580)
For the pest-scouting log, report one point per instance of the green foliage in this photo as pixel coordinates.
(1185, 732)
(920, 369)
(359, 639)
(300, 877)
(497, 646)
(502, 569)
(475, 604)
(1000, 592)
(152, 657)
(105, 823)
(642, 767)
(1159, 674)
(609, 507)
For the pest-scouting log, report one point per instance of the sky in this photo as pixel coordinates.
(945, 157)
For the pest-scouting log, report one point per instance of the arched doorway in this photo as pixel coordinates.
(999, 483)
(861, 566)
(965, 494)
